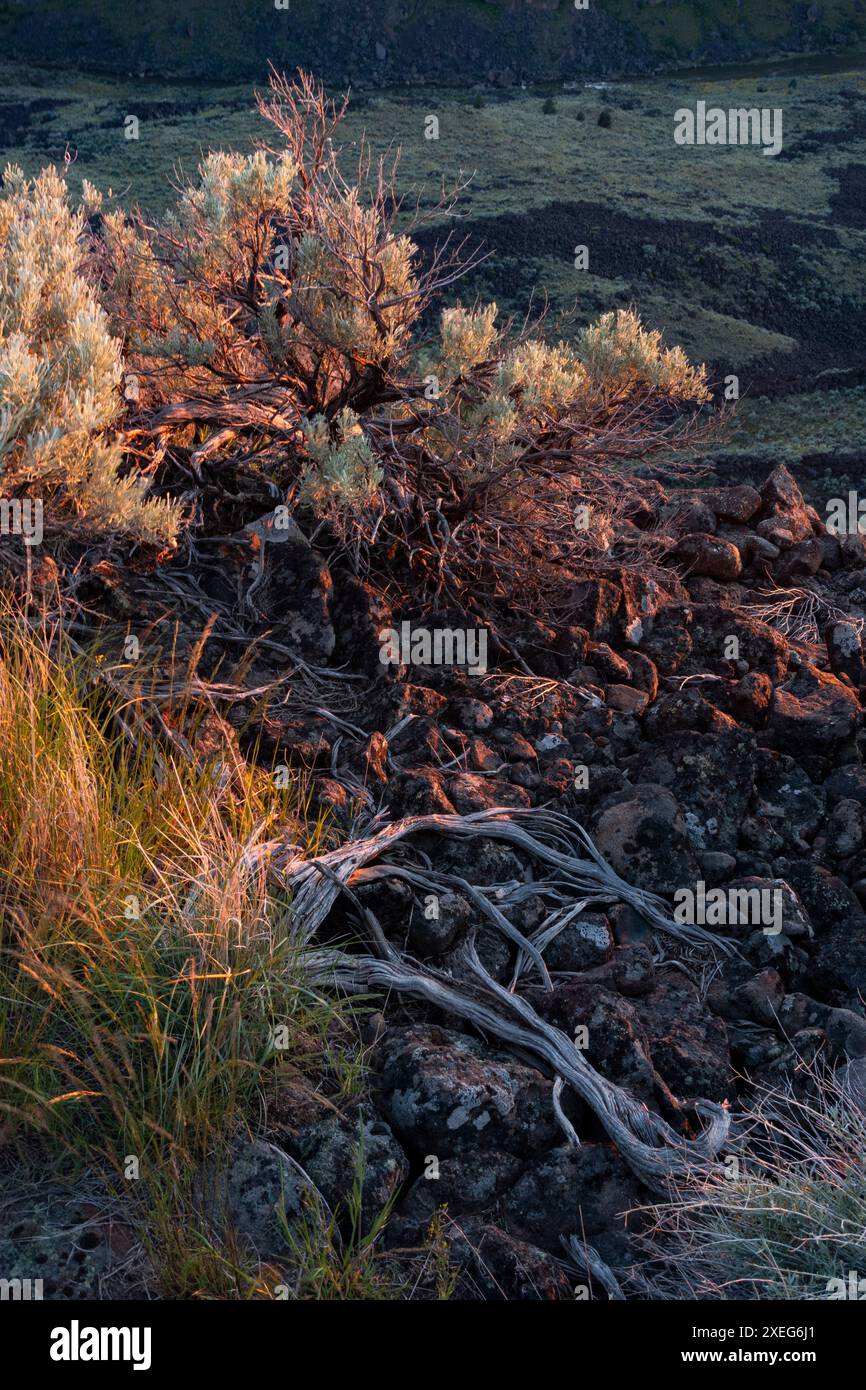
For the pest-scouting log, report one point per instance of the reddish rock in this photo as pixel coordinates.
(750, 698)
(469, 791)
(816, 711)
(739, 503)
(801, 561)
(709, 555)
(626, 699)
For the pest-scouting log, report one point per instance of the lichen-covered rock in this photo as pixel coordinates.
(582, 1191)
(844, 640)
(250, 1189)
(846, 831)
(72, 1238)
(340, 1150)
(445, 1093)
(644, 838)
(582, 944)
(713, 782)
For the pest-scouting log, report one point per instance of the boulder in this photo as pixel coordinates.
(583, 1191)
(708, 555)
(445, 1093)
(815, 711)
(644, 839)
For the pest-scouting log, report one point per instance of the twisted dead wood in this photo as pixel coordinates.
(651, 1146)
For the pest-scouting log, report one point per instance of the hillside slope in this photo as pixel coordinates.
(408, 40)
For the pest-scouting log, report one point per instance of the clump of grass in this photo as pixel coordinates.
(340, 1256)
(145, 964)
(342, 1259)
(549, 107)
(783, 1221)
(605, 119)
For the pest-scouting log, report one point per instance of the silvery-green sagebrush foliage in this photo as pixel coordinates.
(278, 313)
(60, 367)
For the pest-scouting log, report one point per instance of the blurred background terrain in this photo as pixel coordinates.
(562, 121)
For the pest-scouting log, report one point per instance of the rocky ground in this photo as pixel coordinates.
(689, 758)
(707, 730)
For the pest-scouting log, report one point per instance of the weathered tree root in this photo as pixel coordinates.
(553, 840)
(656, 1152)
(651, 1147)
(586, 1259)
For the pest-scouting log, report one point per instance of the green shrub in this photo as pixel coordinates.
(60, 367)
(305, 334)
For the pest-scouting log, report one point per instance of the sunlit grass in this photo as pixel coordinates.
(145, 961)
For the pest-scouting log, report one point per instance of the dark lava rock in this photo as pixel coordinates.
(815, 711)
(582, 1191)
(445, 1093)
(845, 831)
(248, 1190)
(296, 592)
(668, 642)
(469, 791)
(69, 1236)
(483, 862)
(713, 783)
(800, 562)
(418, 791)
(644, 839)
(758, 644)
(739, 503)
(845, 649)
(788, 798)
(709, 555)
(848, 782)
(339, 1149)
(781, 492)
(687, 709)
(497, 1267)
(582, 944)
(614, 1041)
(837, 972)
(462, 1183)
(826, 898)
(750, 699)
(440, 920)
(687, 1044)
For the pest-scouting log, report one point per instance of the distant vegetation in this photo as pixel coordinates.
(396, 41)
